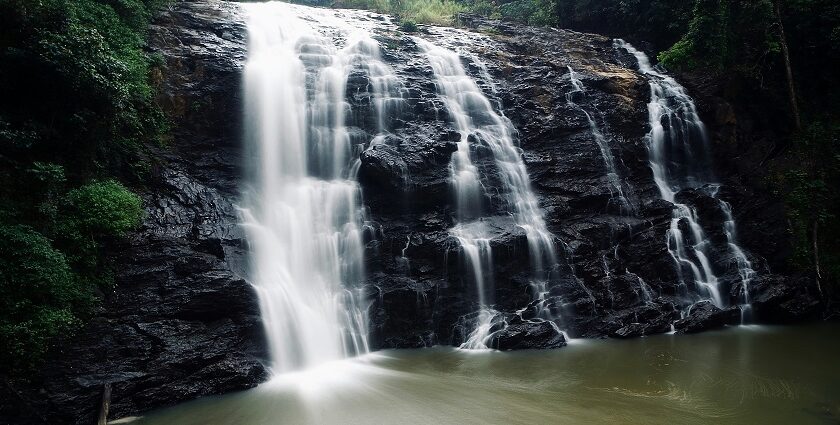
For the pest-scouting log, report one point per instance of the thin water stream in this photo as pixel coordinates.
(678, 148)
(744, 375)
(474, 117)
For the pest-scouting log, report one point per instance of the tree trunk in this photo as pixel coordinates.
(816, 252)
(788, 70)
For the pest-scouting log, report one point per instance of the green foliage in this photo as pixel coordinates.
(680, 56)
(408, 25)
(809, 189)
(86, 100)
(76, 110)
(438, 12)
(104, 209)
(48, 286)
(723, 34)
(482, 7)
(533, 12)
(41, 296)
(383, 6)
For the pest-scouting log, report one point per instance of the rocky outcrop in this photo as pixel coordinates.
(183, 321)
(705, 316)
(520, 335)
(780, 299)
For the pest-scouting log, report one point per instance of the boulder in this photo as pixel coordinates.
(522, 335)
(704, 316)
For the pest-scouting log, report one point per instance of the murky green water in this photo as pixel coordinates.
(746, 375)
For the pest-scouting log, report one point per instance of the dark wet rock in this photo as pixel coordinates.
(632, 330)
(704, 316)
(651, 318)
(780, 299)
(528, 335)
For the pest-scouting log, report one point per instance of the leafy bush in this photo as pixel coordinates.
(408, 25)
(104, 209)
(48, 286)
(533, 12)
(42, 298)
(438, 12)
(680, 56)
(86, 102)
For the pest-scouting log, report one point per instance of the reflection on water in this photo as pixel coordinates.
(762, 375)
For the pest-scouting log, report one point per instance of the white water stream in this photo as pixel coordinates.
(616, 190)
(303, 214)
(475, 119)
(679, 157)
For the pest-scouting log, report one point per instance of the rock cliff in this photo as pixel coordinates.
(183, 321)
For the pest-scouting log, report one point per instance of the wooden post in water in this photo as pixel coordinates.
(106, 403)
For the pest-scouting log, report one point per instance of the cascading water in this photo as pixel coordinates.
(304, 213)
(474, 118)
(616, 190)
(679, 157)
(745, 267)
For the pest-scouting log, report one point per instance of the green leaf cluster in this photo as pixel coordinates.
(41, 295)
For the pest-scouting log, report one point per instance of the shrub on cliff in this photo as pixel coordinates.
(49, 285)
(41, 298)
(103, 209)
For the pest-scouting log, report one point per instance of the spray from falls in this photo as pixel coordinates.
(679, 158)
(303, 214)
(477, 122)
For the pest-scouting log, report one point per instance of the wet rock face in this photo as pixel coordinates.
(183, 321)
(615, 276)
(523, 335)
(704, 316)
(777, 299)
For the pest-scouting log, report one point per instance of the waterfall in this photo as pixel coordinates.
(303, 214)
(678, 147)
(745, 267)
(616, 190)
(474, 118)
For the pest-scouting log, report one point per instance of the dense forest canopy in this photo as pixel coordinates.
(77, 110)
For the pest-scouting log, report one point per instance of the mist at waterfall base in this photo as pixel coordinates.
(750, 374)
